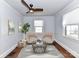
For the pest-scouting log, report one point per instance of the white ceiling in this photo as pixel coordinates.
(50, 6)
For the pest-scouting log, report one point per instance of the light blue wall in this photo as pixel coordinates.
(71, 45)
(49, 22)
(8, 42)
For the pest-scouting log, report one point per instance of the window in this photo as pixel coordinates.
(38, 24)
(71, 24)
(71, 31)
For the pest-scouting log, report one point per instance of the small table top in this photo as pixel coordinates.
(39, 47)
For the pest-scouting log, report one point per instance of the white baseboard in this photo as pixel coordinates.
(8, 51)
(68, 49)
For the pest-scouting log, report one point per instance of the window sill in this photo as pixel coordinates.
(68, 37)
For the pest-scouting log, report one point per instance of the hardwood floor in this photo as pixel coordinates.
(14, 53)
(65, 53)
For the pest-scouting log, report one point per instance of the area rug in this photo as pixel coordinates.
(51, 52)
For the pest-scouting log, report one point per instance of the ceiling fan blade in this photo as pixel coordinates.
(37, 9)
(25, 4)
(31, 10)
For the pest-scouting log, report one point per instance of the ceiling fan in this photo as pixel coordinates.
(30, 7)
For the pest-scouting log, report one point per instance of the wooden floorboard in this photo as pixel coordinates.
(14, 53)
(64, 52)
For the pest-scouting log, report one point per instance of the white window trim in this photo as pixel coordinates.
(39, 26)
(70, 37)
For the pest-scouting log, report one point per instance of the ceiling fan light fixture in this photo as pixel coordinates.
(31, 11)
(30, 7)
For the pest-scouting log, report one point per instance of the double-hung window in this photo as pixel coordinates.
(71, 31)
(38, 24)
(71, 24)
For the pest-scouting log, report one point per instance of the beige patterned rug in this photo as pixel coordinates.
(51, 52)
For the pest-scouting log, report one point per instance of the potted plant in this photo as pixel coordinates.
(25, 28)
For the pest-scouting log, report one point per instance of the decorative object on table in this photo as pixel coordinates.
(11, 27)
(39, 42)
(25, 28)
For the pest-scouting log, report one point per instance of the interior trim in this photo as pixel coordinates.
(68, 49)
(8, 51)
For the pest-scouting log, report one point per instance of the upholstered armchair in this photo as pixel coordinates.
(31, 38)
(48, 38)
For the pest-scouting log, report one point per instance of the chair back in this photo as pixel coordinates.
(47, 37)
(31, 37)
